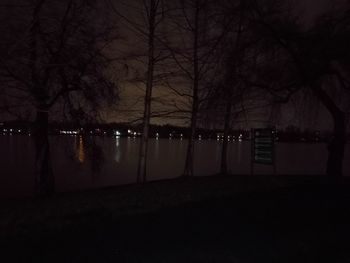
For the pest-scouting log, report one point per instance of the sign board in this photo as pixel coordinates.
(263, 146)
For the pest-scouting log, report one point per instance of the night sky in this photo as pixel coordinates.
(131, 104)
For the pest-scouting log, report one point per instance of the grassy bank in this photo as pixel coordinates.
(207, 219)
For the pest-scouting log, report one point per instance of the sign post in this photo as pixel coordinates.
(263, 148)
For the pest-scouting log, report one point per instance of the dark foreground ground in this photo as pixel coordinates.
(216, 219)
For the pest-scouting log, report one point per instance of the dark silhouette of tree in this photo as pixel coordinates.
(56, 60)
(198, 29)
(232, 87)
(153, 9)
(146, 25)
(232, 96)
(299, 59)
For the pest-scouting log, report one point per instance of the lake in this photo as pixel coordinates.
(73, 169)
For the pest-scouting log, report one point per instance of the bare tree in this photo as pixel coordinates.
(309, 60)
(146, 26)
(198, 30)
(232, 88)
(58, 61)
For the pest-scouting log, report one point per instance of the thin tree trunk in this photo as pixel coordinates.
(142, 164)
(188, 171)
(227, 121)
(45, 184)
(44, 175)
(223, 167)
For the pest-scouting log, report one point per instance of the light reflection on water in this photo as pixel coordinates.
(156, 148)
(117, 149)
(166, 160)
(80, 151)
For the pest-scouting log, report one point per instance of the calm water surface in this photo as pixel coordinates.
(72, 165)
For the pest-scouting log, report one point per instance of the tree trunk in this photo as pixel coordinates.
(45, 185)
(142, 164)
(188, 171)
(336, 147)
(223, 167)
(234, 64)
